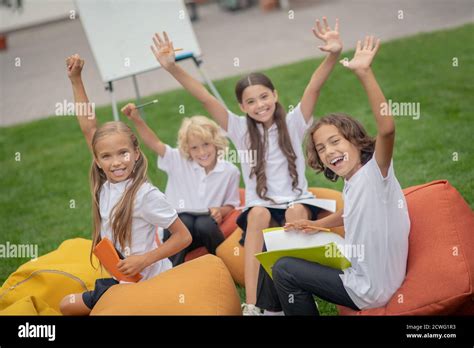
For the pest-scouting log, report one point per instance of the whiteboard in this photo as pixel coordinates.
(120, 33)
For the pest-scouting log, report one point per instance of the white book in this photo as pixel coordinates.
(325, 248)
(279, 239)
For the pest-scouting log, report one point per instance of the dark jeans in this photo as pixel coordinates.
(295, 281)
(205, 232)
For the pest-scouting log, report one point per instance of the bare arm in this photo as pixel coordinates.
(180, 239)
(164, 52)
(360, 64)
(333, 45)
(385, 124)
(330, 221)
(84, 114)
(149, 137)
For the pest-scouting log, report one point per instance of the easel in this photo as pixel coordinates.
(197, 61)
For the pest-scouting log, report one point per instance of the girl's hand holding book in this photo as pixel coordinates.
(132, 265)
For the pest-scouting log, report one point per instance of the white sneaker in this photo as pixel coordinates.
(250, 309)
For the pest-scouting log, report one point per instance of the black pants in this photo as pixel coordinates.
(205, 232)
(296, 281)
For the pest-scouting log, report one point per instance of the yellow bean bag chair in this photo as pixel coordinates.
(232, 253)
(37, 287)
(202, 286)
(199, 287)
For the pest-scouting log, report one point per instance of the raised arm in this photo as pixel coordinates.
(360, 64)
(333, 45)
(84, 112)
(149, 137)
(163, 50)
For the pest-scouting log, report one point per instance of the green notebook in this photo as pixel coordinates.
(320, 248)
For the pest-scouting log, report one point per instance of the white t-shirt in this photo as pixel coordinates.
(279, 182)
(190, 188)
(376, 221)
(150, 210)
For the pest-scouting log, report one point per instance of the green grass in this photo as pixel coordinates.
(36, 191)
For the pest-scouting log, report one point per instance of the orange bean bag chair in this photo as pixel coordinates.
(232, 253)
(199, 287)
(440, 268)
(227, 227)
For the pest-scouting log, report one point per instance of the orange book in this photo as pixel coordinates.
(109, 257)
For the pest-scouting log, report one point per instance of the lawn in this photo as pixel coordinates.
(45, 195)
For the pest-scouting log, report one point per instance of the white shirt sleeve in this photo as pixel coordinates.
(232, 195)
(170, 160)
(375, 172)
(382, 184)
(156, 210)
(236, 128)
(296, 121)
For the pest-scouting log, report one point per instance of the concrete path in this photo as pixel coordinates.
(259, 40)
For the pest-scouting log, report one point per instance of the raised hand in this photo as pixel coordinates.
(331, 38)
(163, 50)
(74, 66)
(131, 112)
(363, 56)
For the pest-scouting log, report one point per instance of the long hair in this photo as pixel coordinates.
(121, 214)
(351, 129)
(203, 128)
(259, 143)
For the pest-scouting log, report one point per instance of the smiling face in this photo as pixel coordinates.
(203, 152)
(259, 102)
(116, 156)
(336, 152)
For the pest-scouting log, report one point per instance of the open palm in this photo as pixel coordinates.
(163, 50)
(331, 38)
(364, 55)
